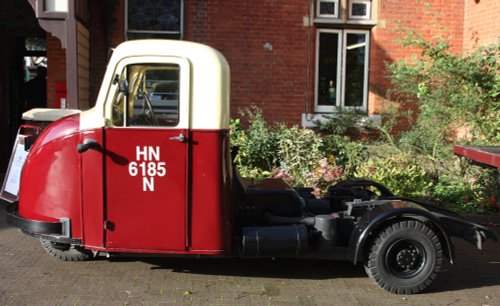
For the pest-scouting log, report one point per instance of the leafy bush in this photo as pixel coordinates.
(402, 174)
(451, 91)
(454, 93)
(298, 152)
(474, 191)
(348, 154)
(344, 121)
(262, 148)
(325, 174)
(418, 164)
(257, 145)
(337, 142)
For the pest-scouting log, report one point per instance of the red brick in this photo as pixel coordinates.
(56, 68)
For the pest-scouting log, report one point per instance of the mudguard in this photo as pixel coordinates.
(446, 223)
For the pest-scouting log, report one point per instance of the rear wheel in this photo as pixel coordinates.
(405, 257)
(66, 252)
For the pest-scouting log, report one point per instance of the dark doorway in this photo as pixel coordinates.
(17, 24)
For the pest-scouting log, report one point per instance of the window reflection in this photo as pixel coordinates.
(146, 18)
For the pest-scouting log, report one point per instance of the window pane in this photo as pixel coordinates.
(327, 8)
(327, 69)
(34, 44)
(154, 15)
(55, 6)
(359, 9)
(153, 95)
(355, 69)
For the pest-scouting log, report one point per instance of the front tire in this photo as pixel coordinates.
(65, 252)
(405, 257)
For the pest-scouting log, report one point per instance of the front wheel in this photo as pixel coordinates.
(405, 257)
(65, 251)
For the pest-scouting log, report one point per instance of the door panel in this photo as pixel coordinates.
(146, 189)
(145, 155)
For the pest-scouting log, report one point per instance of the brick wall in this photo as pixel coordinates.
(265, 43)
(481, 24)
(56, 68)
(275, 80)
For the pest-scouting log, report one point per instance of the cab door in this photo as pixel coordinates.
(146, 156)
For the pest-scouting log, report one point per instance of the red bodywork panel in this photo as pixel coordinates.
(92, 165)
(179, 204)
(211, 210)
(50, 183)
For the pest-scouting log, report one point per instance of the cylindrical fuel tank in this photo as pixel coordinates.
(289, 240)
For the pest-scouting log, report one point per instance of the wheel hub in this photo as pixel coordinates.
(406, 259)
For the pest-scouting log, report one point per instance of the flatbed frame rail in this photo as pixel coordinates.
(484, 155)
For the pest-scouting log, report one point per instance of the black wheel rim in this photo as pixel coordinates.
(405, 258)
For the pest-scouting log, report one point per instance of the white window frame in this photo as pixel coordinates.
(368, 15)
(341, 68)
(323, 108)
(333, 16)
(366, 70)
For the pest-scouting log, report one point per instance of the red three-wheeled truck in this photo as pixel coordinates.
(148, 170)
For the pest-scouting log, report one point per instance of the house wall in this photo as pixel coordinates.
(481, 24)
(276, 80)
(267, 45)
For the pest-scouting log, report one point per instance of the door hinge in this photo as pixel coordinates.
(108, 225)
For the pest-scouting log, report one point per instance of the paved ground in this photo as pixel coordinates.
(29, 276)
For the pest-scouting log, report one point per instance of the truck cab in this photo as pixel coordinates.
(148, 170)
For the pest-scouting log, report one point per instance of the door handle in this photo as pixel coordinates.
(180, 138)
(87, 144)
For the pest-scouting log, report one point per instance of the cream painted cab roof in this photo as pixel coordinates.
(208, 73)
(155, 47)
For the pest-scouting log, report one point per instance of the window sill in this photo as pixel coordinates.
(335, 21)
(309, 119)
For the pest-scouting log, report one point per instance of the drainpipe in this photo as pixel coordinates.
(308, 62)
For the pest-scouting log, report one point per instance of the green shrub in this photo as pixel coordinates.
(257, 145)
(337, 143)
(325, 174)
(298, 152)
(475, 190)
(402, 174)
(344, 121)
(347, 154)
(262, 148)
(451, 91)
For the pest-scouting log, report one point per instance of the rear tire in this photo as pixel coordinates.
(405, 257)
(66, 252)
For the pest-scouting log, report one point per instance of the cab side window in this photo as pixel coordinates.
(151, 96)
